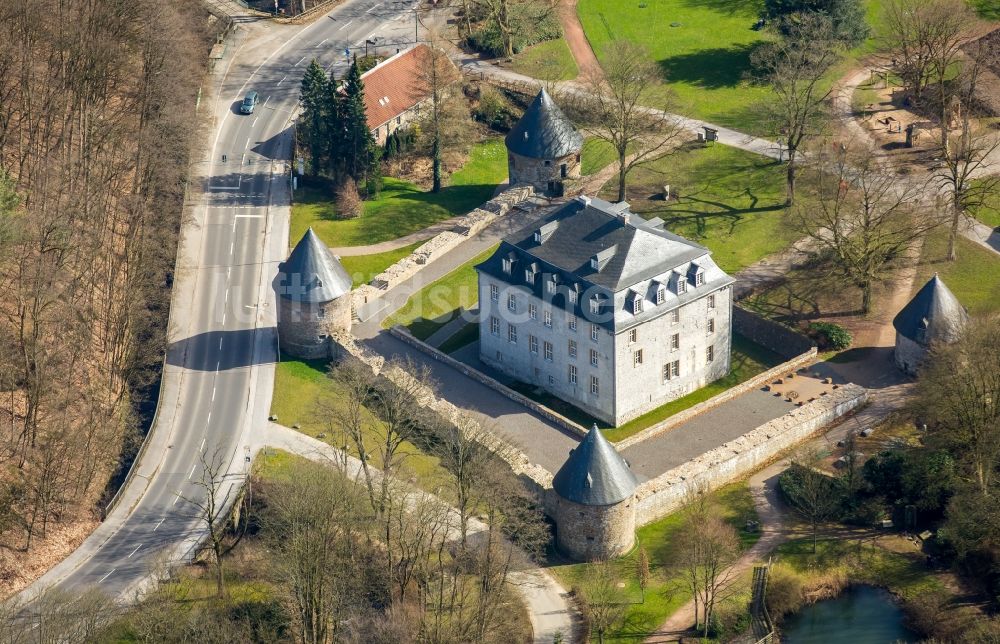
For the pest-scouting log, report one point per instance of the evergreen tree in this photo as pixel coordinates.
(335, 130)
(846, 16)
(359, 144)
(312, 126)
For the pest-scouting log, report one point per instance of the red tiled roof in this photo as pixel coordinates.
(394, 86)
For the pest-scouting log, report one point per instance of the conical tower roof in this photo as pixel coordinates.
(595, 473)
(311, 273)
(933, 315)
(544, 132)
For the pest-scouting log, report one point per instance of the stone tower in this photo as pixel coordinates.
(315, 299)
(543, 148)
(594, 507)
(933, 315)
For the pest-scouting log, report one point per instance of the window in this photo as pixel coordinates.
(529, 276)
(550, 286)
(547, 163)
(494, 326)
(533, 344)
(675, 342)
(532, 311)
(572, 323)
(548, 318)
(595, 386)
(594, 331)
(682, 286)
(699, 278)
(711, 301)
(671, 370)
(321, 313)
(709, 353)
(675, 316)
(399, 120)
(572, 374)
(661, 294)
(711, 325)
(508, 265)
(494, 292)
(547, 348)
(637, 358)
(512, 333)
(593, 357)
(572, 348)
(512, 302)
(572, 296)
(552, 379)
(633, 335)
(637, 306)
(595, 305)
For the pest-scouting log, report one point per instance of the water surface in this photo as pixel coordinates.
(860, 615)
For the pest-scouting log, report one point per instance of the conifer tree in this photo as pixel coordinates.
(359, 144)
(312, 126)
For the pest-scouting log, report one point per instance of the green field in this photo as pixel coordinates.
(729, 200)
(664, 594)
(549, 60)
(436, 304)
(974, 277)
(989, 212)
(362, 268)
(596, 155)
(402, 207)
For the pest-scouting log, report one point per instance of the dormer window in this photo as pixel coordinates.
(529, 276)
(637, 306)
(508, 265)
(601, 259)
(699, 278)
(550, 286)
(696, 275)
(595, 305)
(682, 285)
(661, 294)
(572, 295)
(594, 264)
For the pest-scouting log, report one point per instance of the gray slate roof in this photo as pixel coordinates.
(595, 473)
(311, 273)
(933, 315)
(544, 132)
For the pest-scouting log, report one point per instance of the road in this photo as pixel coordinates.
(219, 370)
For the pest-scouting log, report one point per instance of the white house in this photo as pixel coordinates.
(605, 310)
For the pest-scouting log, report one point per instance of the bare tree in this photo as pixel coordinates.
(445, 123)
(794, 68)
(603, 599)
(508, 18)
(810, 492)
(862, 216)
(626, 107)
(958, 390)
(642, 571)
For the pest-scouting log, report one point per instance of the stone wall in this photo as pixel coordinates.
(540, 172)
(589, 532)
(767, 333)
(908, 354)
(303, 327)
(467, 226)
(735, 459)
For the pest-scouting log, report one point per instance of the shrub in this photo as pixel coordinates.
(348, 200)
(784, 591)
(830, 336)
(494, 110)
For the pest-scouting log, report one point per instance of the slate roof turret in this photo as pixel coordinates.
(544, 132)
(933, 315)
(595, 473)
(311, 273)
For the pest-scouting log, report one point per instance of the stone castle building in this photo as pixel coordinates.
(543, 148)
(933, 315)
(594, 507)
(314, 299)
(605, 310)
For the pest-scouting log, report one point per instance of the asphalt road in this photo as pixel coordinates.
(219, 371)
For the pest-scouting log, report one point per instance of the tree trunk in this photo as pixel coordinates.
(866, 297)
(956, 218)
(621, 176)
(436, 155)
(790, 177)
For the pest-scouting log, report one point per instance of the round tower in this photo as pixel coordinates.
(933, 315)
(314, 299)
(543, 148)
(595, 501)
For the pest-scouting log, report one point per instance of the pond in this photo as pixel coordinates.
(860, 614)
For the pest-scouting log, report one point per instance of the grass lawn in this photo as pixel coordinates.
(436, 304)
(402, 208)
(974, 277)
(730, 201)
(664, 594)
(706, 58)
(550, 60)
(299, 388)
(596, 155)
(362, 268)
(989, 212)
(463, 337)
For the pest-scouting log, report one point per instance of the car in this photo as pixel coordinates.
(249, 102)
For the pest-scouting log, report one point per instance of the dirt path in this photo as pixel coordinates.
(579, 46)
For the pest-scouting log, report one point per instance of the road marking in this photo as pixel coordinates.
(232, 245)
(218, 365)
(243, 159)
(346, 24)
(176, 498)
(322, 42)
(207, 422)
(202, 446)
(300, 60)
(193, 467)
(158, 524)
(134, 551)
(265, 102)
(374, 7)
(226, 299)
(223, 319)
(254, 122)
(249, 216)
(106, 576)
(224, 188)
(279, 83)
(248, 144)
(220, 344)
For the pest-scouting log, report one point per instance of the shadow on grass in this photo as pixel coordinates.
(710, 68)
(727, 7)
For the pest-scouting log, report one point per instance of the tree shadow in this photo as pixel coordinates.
(710, 68)
(726, 7)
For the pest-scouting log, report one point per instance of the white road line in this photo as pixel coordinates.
(224, 188)
(177, 498)
(279, 83)
(232, 245)
(207, 422)
(322, 42)
(134, 551)
(226, 299)
(106, 576)
(243, 158)
(265, 102)
(218, 365)
(157, 524)
(223, 319)
(202, 446)
(254, 121)
(193, 467)
(374, 7)
(220, 344)
(247, 146)
(300, 60)
(347, 24)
